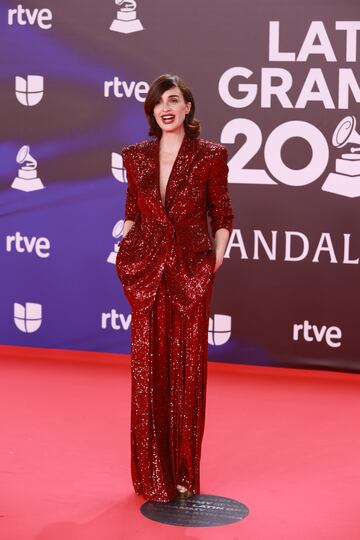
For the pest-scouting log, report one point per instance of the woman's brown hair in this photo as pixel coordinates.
(158, 87)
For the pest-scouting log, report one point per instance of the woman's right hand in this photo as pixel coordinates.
(127, 226)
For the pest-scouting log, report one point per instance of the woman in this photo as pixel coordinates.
(166, 263)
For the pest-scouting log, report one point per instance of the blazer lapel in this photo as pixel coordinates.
(178, 175)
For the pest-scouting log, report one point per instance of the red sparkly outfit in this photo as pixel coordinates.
(166, 266)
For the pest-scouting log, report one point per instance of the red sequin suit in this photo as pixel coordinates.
(166, 266)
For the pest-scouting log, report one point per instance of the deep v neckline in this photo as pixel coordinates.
(181, 148)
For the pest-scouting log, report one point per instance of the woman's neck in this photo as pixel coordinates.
(171, 141)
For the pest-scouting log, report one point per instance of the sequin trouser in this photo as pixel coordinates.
(169, 355)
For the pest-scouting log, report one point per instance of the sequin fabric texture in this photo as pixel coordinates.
(166, 266)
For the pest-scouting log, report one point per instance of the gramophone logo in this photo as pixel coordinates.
(117, 167)
(116, 233)
(28, 318)
(29, 91)
(126, 20)
(346, 180)
(219, 329)
(27, 179)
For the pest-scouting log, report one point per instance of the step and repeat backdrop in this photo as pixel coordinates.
(278, 83)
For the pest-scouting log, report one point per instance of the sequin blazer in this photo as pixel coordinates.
(173, 238)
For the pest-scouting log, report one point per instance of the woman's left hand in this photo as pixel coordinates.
(219, 260)
(221, 240)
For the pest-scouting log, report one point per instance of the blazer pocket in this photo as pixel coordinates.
(129, 237)
(202, 244)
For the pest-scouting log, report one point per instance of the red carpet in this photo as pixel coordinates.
(284, 442)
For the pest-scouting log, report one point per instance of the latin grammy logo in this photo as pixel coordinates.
(116, 233)
(346, 180)
(27, 179)
(126, 21)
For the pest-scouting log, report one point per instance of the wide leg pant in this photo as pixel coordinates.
(169, 355)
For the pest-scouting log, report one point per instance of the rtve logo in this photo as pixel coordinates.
(219, 329)
(115, 320)
(123, 89)
(21, 244)
(27, 318)
(23, 16)
(332, 334)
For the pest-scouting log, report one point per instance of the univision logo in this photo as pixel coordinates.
(28, 317)
(30, 90)
(219, 329)
(117, 167)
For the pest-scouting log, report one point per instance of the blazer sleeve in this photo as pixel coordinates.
(131, 205)
(218, 199)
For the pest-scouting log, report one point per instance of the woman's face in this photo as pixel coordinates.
(171, 109)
